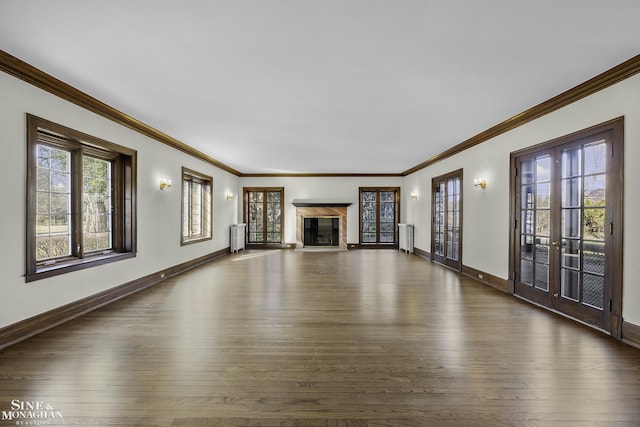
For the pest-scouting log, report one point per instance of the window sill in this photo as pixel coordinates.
(63, 267)
(195, 240)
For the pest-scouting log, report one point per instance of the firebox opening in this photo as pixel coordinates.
(321, 231)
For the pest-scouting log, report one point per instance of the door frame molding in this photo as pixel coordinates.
(398, 198)
(245, 215)
(612, 321)
(458, 173)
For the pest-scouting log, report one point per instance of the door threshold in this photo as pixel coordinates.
(561, 314)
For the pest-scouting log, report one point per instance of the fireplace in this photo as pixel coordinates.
(321, 223)
(321, 231)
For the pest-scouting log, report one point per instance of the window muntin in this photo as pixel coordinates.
(80, 200)
(196, 206)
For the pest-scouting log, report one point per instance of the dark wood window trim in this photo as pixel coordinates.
(454, 264)
(378, 190)
(245, 215)
(123, 206)
(205, 212)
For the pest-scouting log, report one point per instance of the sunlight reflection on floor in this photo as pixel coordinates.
(256, 255)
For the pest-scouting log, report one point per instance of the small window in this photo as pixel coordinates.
(196, 206)
(80, 200)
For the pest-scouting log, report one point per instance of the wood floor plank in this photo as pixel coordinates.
(361, 338)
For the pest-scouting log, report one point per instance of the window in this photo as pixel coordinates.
(196, 206)
(263, 213)
(80, 200)
(379, 214)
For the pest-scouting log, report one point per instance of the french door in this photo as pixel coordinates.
(263, 213)
(379, 216)
(567, 245)
(446, 235)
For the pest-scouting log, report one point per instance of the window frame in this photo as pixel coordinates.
(191, 176)
(245, 213)
(123, 209)
(397, 199)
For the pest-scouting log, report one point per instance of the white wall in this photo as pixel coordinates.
(343, 189)
(486, 213)
(158, 212)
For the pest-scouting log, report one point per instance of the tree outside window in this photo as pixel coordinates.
(196, 206)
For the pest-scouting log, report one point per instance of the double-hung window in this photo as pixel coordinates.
(80, 200)
(196, 206)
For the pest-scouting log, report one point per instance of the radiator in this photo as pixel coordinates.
(236, 240)
(405, 237)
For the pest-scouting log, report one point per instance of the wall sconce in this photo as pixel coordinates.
(414, 196)
(165, 184)
(480, 183)
(229, 196)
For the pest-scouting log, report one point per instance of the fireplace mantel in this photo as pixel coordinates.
(319, 203)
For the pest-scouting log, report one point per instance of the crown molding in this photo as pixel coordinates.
(36, 77)
(316, 175)
(20, 69)
(615, 75)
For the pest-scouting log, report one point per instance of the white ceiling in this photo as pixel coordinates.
(321, 86)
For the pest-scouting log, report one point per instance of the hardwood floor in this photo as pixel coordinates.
(359, 338)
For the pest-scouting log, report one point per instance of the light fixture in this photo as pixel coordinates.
(480, 183)
(414, 196)
(229, 196)
(165, 184)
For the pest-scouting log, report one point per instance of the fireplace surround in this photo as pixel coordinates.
(321, 209)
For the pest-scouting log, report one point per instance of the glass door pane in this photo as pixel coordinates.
(583, 224)
(369, 216)
(273, 216)
(387, 216)
(256, 217)
(439, 212)
(453, 219)
(535, 219)
(446, 231)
